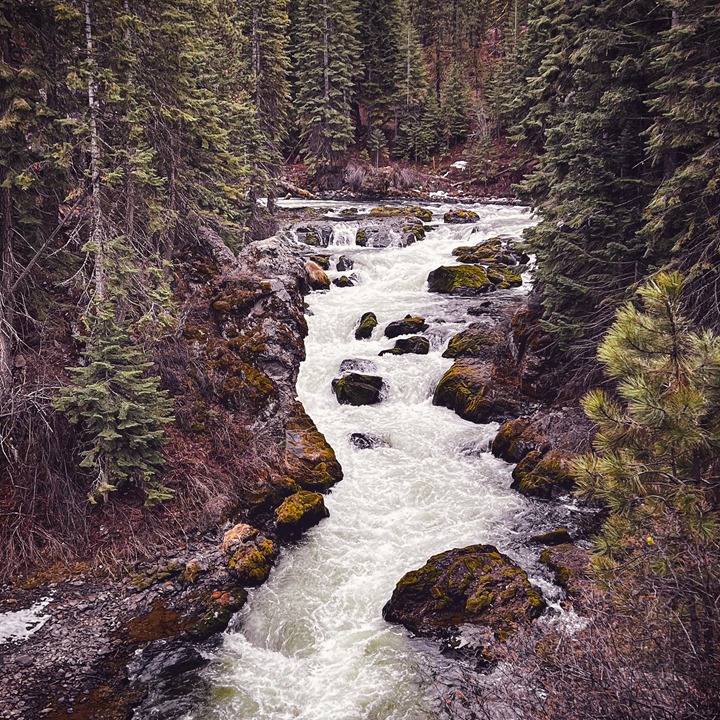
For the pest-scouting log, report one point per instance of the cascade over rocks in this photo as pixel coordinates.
(367, 441)
(475, 585)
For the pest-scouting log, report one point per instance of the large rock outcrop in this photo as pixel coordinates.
(474, 585)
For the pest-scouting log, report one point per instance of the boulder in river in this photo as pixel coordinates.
(300, 512)
(515, 439)
(462, 280)
(414, 345)
(317, 278)
(343, 281)
(367, 441)
(319, 235)
(357, 389)
(322, 260)
(477, 341)
(407, 326)
(468, 389)
(358, 365)
(251, 563)
(368, 322)
(551, 477)
(475, 585)
(344, 263)
(460, 217)
(402, 210)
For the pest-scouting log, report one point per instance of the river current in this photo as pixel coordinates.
(311, 643)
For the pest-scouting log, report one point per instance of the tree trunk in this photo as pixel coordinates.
(96, 229)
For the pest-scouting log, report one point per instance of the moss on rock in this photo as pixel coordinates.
(475, 342)
(402, 211)
(472, 585)
(463, 280)
(460, 217)
(515, 439)
(409, 325)
(357, 389)
(550, 478)
(368, 322)
(414, 345)
(299, 512)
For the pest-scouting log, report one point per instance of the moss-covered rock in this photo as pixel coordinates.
(320, 235)
(473, 585)
(460, 217)
(475, 342)
(503, 276)
(414, 345)
(559, 536)
(316, 277)
(467, 389)
(407, 326)
(463, 280)
(368, 322)
(344, 263)
(569, 565)
(515, 439)
(343, 281)
(322, 260)
(237, 535)
(550, 478)
(310, 461)
(357, 389)
(403, 210)
(251, 563)
(526, 466)
(299, 512)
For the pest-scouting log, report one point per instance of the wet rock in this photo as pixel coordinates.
(373, 236)
(569, 565)
(357, 389)
(414, 345)
(166, 660)
(476, 585)
(460, 217)
(550, 478)
(366, 441)
(526, 466)
(468, 389)
(322, 260)
(402, 210)
(515, 439)
(560, 536)
(343, 281)
(396, 234)
(477, 342)
(320, 235)
(368, 322)
(237, 535)
(344, 263)
(251, 563)
(300, 512)
(408, 326)
(357, 365)
(503, 277)
(462, 280)
(317, 278)
(310, 461)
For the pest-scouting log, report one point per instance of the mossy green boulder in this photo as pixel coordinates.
(463, 280)
(515, 439)
(475, 585)
(569, 565)
(368, 322)
(559, 536)
(343, 281)
(460, 217)
(551, 477)
(475, 342)
(414, 345)
(250, 564)
(467, 389)
(299, 513)
(401, 211)
(358, 389)
(409, 325)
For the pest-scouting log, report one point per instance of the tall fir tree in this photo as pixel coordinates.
(327, 67)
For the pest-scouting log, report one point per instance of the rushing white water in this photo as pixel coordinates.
(312, 644)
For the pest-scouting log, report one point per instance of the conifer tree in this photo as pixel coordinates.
(456, 104)
(327, 66)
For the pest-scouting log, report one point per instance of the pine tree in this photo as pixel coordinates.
(655, 465)
(456, 104)
(327, 65)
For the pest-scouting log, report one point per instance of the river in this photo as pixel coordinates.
(311, 643)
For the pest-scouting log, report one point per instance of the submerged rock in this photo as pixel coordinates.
(460, 217)
(300, 512)
(463, 280)
(414, 345)
(368, 322)
(474, 585)
(357, 365)
(366, 441)
(407, 326)
(357, 389)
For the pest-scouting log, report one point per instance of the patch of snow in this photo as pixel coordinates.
(21, 624)
(460, 165)
(438, 194)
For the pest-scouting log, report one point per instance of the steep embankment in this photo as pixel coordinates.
(241, 445)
